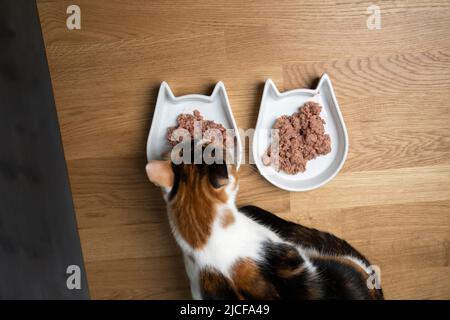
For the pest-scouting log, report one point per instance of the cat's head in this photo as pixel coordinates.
(201, 177)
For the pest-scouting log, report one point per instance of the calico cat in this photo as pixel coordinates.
(250, 253)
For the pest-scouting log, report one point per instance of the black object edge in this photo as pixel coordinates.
(38, 230)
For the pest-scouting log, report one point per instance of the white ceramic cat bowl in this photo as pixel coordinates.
(320, 170)
(215, 107)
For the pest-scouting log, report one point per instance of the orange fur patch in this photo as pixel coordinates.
(214, 284)
(194, 207)
(250, 282)
(291, 272)
(227, 219)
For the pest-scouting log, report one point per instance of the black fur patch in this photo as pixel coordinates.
(323, 242)
(342, 281)
(217, 173)
(284, 268)
(334, 279)
(177, 170)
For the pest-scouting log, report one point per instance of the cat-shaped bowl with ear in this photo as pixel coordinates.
(275, 104)
(215, 107)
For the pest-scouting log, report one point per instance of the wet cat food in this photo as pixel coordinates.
(301, 137)
(210, 131)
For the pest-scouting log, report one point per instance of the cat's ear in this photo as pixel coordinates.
(218, 175)
(160, 173)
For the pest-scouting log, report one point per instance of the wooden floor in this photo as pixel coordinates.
(392, 198)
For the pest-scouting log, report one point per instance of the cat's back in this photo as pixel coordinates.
(261, 256)
(311, 264)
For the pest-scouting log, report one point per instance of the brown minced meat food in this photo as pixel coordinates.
(302, 138)
(187, 121)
